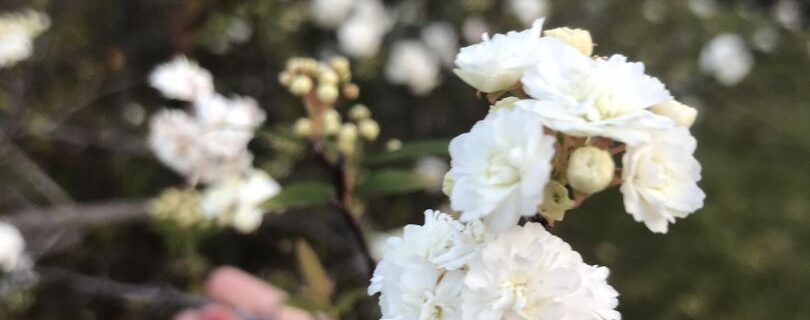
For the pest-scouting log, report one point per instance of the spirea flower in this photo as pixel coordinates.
(182, 79)
(361, 35)
(526, 273)
(580, 96)
(173, 139)
(660, 180)
(12, 248)
(419, 276)
(497, 63)
(17, 33)
(413, 64)
(228, 123)
(500, 167)
(330, 13)
(236, 201)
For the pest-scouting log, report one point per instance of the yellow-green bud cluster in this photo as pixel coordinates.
(326, 81)
(181, 206)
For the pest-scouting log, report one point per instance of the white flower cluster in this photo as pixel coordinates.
(12, 248)
(209, 145)
(446, 269)
(17, 33)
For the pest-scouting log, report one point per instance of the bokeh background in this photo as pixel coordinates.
(74, 119)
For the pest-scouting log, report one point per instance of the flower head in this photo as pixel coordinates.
(500, 167)
(660, 180)
(17, 33)
(12, 248)
(182, 79)
(237, 201)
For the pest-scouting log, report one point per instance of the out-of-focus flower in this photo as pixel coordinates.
(228, 123)
(789, 14)
(12, 248)
(361, 35)
(580, 96)
(181, 206)
(441, 39)
(330, 13)
(173, 138)
(17, 33)
(411, 63)
(660, 180)
(528, 10)
(727, 58)
(369, 129)
(528, 273)
(703, 8)
(182, 79)
(434, 169)
(473, 27)
(765, 38)
(236, 200)
(500, 167)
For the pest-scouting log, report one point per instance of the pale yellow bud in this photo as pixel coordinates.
(359, 112)
(284, 78)
(303, 127)
(393, 145)
(331, 122)
(347, 138)
(681, 114)
(328, 76)
(369, 129)
(342, 68)
(507, 103)
(590, 169)
(351, 91)
(447, 184)
(327, 93)
(577, 38)
(301, 85)
(555, 201)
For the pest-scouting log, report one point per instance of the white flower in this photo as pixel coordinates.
(412, 63)
(528, 273)
(12, 248)
(497, 63)
(239, 199)
(419, 277)
(17, 33)
(528, 10)
(433, 169)
(473, 27)
(581, 96)
(173, 138)
(182, 79)
(441, 38)
(361, 35)
(660, 180)
(727, 58)
(500, 167)
(330, 13)
(228, 124)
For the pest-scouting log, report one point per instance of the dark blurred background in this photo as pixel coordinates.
(74, 120)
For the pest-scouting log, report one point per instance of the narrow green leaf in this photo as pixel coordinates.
(299, 195)
(319, 287)
(392, 181)
(409, 151)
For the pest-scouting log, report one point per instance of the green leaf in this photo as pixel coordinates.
(392, 181)
(319, 287)
(300, 195)
(410, 150)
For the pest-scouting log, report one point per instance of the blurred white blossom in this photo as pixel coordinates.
(473, 28)
(528, 10)
(441, 39)
(411, 63)
(703, 8)
(182, 79)
(789, 13)
(361, 34)
(331, 13)
(17, 33)
(238, 199)
(432, 168)
(765, 38)
(12, 248)
(727, 58)
(660, 179)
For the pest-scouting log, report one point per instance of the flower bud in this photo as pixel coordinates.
(369, 129)
(328, 76)
(590, 169)
(577, 38)
(341, 66)
(331, 122)
(303, 127)
(359, 112)
(347, 138)
(301, 85)
(327, 93)
(681, 114)
(351, 91)
(284, 78)
(507, 102)
(447, 184)
(555, 201)
(393, 145)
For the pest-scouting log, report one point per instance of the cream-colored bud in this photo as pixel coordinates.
(347, 138)
(327, 93)
(393, 145)
(351, 91)
(301, 85)
(284, 78)
(555, 201)
(369, 129)
(577, 38)
(359, 112)
(507, 103)
(303, 127)
(681, 114)
(328, 76)
(447, 184)
(331, 122)
(341, 66)
(590, 169)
